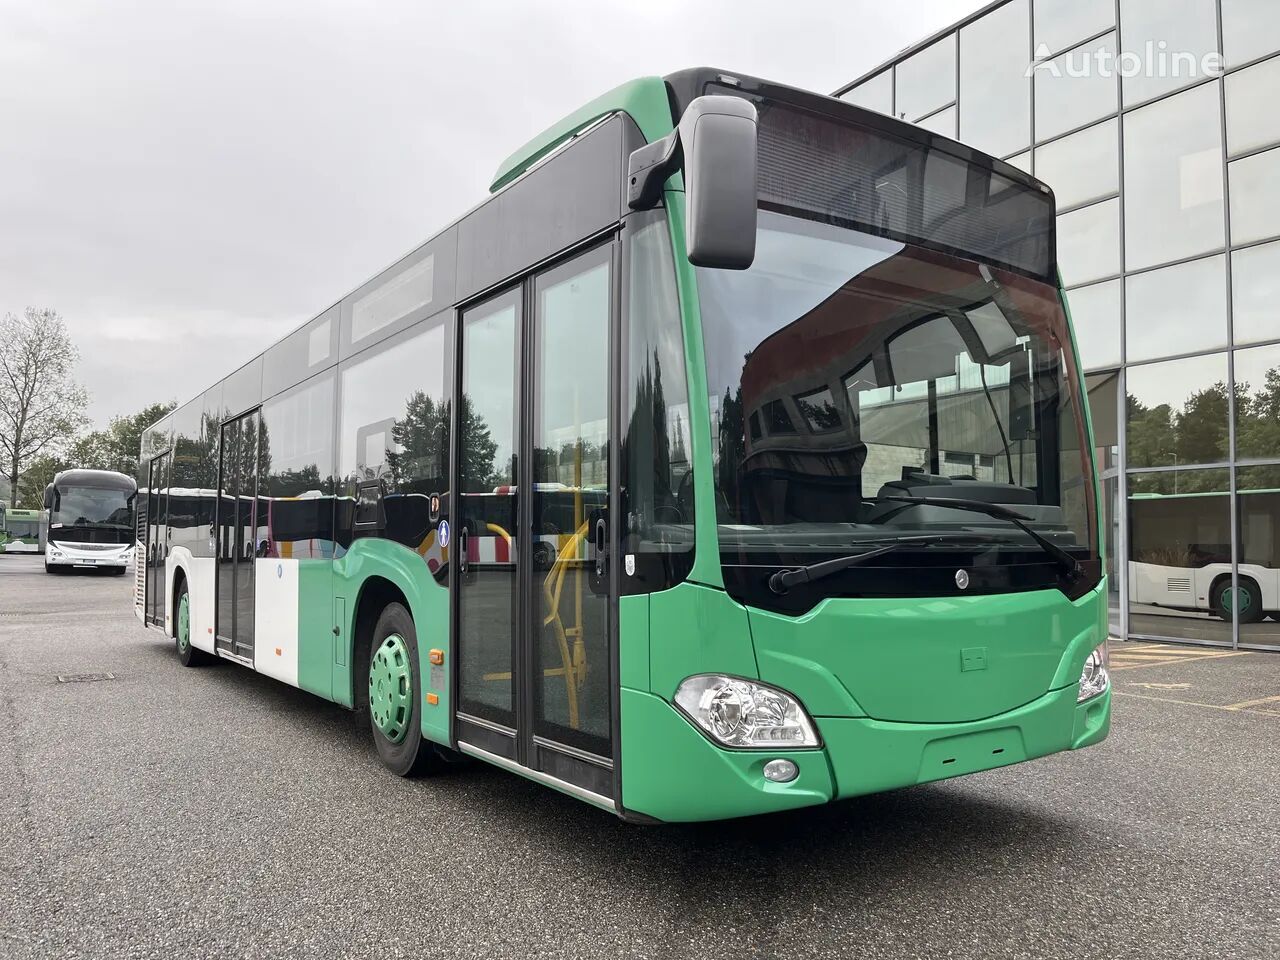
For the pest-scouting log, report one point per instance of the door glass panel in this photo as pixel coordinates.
(156, 539)
(246, 531)
(568, 499)
(488, 591)
(227, 513)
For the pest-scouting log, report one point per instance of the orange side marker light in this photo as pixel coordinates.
(436, 657)
(432, 699)
(277, 651)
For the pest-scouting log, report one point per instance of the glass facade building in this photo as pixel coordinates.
(1153, 122)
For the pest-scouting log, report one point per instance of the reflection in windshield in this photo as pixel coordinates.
(93, 506)
(844, 368)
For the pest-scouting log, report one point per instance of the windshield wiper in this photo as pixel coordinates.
(784, 580)
(1070, 566)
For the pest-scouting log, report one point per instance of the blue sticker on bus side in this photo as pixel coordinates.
(443, 533)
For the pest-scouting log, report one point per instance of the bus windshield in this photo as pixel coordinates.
(92, 515)
(851, 367)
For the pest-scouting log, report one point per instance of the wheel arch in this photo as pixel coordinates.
(180, 579)
(372, 574)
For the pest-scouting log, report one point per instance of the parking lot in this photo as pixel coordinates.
(213, 812)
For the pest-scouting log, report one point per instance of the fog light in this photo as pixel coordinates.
(781, 771)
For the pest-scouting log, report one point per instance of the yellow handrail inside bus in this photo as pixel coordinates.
(575, 665)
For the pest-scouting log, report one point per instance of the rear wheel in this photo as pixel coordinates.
(187, 654)
(1245, 602)
(395, 691)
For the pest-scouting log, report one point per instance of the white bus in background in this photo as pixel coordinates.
(1183, 561)
(91, 520)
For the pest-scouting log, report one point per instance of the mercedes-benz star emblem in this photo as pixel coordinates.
(962, 579)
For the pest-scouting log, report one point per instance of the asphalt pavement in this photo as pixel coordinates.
(212, 813)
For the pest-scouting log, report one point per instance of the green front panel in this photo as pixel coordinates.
(921, 660)
(695, 629)
(315, 630)
(633, 641)
(428, 604)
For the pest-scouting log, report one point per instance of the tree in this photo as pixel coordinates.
(37, 475)
(41, 405)
(421, 444)
(116, 447)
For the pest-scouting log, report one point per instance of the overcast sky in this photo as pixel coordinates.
(185, 182)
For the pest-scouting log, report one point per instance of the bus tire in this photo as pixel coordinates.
(1248, 606)
(188, 655)
(394, 694)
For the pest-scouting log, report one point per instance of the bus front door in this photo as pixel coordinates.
(157, 545)
(534, 615)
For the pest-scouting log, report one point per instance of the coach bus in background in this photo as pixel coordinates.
(24, 531)
(732, 456)
(91, 520)
(1181, 549)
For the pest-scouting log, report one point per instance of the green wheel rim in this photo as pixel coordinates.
(1243, 600)
(184, 622)
(391, 688)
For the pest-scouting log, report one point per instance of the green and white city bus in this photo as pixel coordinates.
(730, 457)
(24, 531)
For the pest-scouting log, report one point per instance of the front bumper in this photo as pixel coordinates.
(62, 557)
(671, 772)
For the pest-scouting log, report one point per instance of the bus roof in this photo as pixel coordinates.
(104, 479)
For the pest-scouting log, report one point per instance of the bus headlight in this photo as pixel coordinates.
(1095, 679)
(745, 713)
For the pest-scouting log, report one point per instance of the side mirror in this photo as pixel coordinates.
(715, 143)
(718, 135)
(48, 498)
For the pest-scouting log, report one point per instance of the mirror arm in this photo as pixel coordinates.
(648, 169)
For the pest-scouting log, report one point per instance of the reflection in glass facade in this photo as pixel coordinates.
(1168, 189)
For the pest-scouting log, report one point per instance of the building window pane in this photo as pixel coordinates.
(1252, 119)
(1180, 309)
(995, 91)
(1095, 313)
(927, 80)
(942, 122)
(874, 94)
(1258, 403)
(1258, 510)
(1169, 40)
(1061, 23)
(1255, 278)
(1071, 92)
(1084, 166)
(1173, 178)
(1250, 29)
(1177, 412)
(1089, 243)
(1255, 197)
(1022, 161)
(1179, 553)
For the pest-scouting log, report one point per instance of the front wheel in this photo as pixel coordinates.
(395, 690)
(188, 655)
